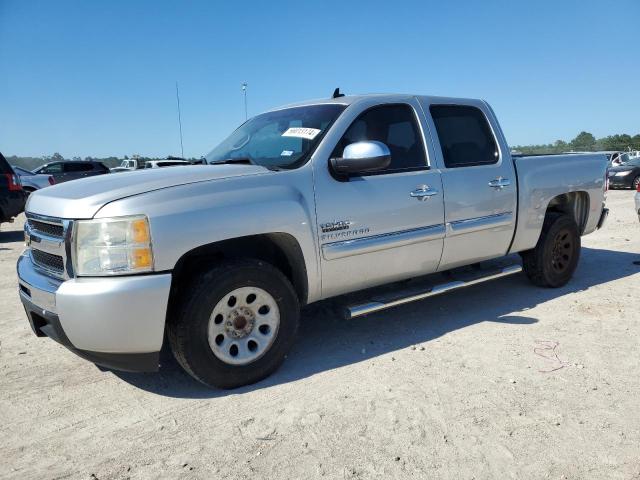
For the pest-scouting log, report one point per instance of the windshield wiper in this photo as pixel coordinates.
(239, 160)
(244, 161)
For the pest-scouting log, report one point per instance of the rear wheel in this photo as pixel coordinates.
(236, 324)
(636, 182)
(555, 257)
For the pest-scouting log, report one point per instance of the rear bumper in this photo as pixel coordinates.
(115, 322)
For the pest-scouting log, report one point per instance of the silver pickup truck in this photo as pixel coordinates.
(302, 203)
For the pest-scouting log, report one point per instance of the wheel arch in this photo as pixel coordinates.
(281, 250)
(575, 204)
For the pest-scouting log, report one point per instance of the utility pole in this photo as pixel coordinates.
(179, 121)
(244, 91)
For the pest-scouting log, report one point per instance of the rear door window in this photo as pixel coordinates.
(465, 136)
(78, 167)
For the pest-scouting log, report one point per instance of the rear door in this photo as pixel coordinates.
(479, 182)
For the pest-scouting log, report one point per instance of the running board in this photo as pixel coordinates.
(371, 307)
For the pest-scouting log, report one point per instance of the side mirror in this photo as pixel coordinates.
(367, 156)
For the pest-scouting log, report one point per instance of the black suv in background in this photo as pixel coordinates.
(12, 197)
(72, 170)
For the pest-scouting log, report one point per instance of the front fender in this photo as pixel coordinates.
(186, 217)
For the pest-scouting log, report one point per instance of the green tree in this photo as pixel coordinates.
(584, 141)
(56, 157)
(560, 146)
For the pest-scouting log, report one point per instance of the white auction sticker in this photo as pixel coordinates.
(286, 153)
(301, 132)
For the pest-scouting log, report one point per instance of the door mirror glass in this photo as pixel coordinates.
(359, 157)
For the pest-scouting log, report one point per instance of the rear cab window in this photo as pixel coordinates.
(465, 136)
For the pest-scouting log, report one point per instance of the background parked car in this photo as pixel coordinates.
(72, 170)
(12, 196)
(32, 181)
(626, 175)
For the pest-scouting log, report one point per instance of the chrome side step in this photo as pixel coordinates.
(375, 306)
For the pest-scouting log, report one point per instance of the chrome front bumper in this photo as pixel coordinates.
(117, 322)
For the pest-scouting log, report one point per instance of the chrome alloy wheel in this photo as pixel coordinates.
(243, 325)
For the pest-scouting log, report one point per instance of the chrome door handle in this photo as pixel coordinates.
(499, 183)
(423, 192)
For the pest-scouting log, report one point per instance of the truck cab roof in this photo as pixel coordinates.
(382, 98)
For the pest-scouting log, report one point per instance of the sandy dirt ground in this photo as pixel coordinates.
(500, 380)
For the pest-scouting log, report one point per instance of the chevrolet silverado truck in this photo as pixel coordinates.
(302, 203)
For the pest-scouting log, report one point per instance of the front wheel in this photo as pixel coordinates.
(236, 324)
(555, 257)
(636, 182)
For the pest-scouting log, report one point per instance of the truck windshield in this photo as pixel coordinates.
(280, 139)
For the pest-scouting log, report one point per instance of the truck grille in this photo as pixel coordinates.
(46, 238)
(50, 229)
(53, 263)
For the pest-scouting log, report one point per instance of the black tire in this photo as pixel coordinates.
(555, 257)
(188, 330)
(635, 183)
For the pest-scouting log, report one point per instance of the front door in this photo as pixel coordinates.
(479, 183)
(380, 227)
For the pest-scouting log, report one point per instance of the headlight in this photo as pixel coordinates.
(622, 174)
(113, 246)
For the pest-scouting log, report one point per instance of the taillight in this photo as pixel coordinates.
(52, 181)
(14, 182)
(638, 187)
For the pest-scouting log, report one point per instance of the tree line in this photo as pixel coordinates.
(584, 142)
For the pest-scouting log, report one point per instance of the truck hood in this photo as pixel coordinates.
(83, 198)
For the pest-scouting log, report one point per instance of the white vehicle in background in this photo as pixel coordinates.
(165, 163)
(32, 181)
(128, 165)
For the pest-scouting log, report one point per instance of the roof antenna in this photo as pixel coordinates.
(337, 94)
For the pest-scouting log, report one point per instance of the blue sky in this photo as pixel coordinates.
(98, 78)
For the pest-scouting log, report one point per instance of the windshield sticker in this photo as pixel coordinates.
(286, 153)
(301, 132)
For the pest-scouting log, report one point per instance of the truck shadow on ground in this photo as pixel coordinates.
(326, 341)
